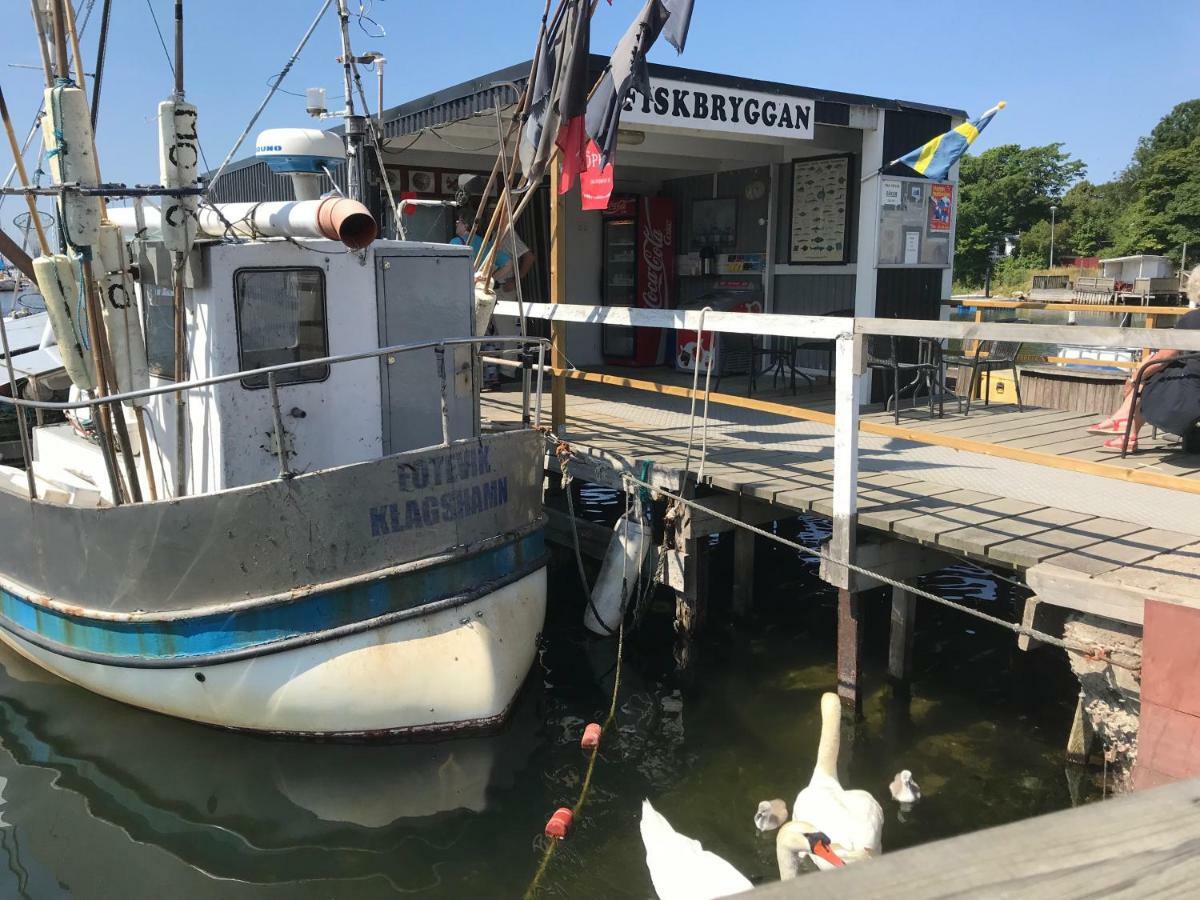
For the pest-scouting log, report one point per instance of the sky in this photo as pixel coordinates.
(1092, 74)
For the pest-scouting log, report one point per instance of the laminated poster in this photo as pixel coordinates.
(820, 210)
(941, 203)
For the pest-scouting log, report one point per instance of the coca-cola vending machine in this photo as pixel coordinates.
(638, 271)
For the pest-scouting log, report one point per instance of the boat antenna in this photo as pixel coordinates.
(178, 49)
(275, 82)
(356, 125)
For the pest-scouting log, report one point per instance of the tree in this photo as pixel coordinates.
(1088, 217)
(1175, 131)
(1162, 188)
(1006, 190)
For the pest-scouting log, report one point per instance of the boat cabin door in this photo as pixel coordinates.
(424, 293)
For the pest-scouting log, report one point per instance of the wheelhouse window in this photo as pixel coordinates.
(281, 319)
(160, 330)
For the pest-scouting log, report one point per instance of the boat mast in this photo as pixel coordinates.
(356, 125)
(180, 311)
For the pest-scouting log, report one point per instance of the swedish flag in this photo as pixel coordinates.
(934, 159)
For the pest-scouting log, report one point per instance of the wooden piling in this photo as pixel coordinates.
(743, 571)
(904, 609)
(847, 393)
(849, 651)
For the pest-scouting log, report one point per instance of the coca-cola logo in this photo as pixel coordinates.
(655, 242)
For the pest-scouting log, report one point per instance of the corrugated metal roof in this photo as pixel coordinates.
(479, 94)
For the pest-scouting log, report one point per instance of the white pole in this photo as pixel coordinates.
(847, 394)
(1053, 210)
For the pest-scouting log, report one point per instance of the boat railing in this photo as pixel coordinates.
(531, 357)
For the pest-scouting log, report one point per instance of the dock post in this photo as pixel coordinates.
(558, 294)
(847, 394)
(904, 609)
(743, 571)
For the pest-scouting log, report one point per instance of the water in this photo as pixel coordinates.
(99, 799)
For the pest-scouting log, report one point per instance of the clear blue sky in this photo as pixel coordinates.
(1094, 74)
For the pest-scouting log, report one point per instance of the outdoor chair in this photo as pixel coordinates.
(883, 354)
(1191, 436)
(735, 352)
(989, 355)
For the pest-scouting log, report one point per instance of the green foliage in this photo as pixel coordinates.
(1153, 207)
(1006, 190)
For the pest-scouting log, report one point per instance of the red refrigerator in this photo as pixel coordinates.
(638, 271)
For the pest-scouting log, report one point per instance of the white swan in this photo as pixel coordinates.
(680, 868)
(830, 824)
(904, 789)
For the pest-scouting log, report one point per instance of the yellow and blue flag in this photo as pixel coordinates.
(934, 159)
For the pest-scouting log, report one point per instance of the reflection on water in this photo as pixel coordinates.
(101, 799)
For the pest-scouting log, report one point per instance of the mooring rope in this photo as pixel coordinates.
(1095, 651)
(552, 843)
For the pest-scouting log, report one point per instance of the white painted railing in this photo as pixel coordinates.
(848, 334)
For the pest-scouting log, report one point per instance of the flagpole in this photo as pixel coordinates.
(522, 106)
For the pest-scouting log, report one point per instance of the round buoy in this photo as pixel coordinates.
(560, 823)
(591, 737)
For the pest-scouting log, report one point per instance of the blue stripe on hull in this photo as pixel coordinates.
(181, 640)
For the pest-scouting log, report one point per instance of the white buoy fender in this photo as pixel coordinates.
(178, 158)
(60, 292)
(122, 324)
(627, 551)
(67, 133)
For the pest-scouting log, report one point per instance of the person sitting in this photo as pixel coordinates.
(1169, 398)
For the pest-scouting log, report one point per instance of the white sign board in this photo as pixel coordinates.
(891, 193)
(685, 104)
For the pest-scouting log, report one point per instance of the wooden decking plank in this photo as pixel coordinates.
(978, 539)
(970, 511)
(1120, 552)
(915, 499)
(1031, 550)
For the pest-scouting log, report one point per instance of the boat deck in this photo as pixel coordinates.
(1098, 544)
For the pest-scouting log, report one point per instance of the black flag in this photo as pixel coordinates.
(627, 67)
(559, 88)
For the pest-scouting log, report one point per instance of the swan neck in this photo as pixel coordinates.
(831, 740)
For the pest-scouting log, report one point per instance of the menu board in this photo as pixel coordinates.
(820, 210)
(916, 222)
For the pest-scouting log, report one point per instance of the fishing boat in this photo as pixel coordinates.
(272, 506)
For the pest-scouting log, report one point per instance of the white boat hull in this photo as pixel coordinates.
(451, 669)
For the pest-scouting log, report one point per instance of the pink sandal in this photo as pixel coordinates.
(1110, 426)
(1117, 444)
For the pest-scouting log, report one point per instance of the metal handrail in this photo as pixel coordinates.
(185, 386)
(177, 388)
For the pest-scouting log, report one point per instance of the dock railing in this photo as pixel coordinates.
(848, 335)
(530, 346)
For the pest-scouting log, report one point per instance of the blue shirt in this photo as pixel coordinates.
(499, 261)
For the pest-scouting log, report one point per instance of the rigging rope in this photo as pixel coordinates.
(277, 81)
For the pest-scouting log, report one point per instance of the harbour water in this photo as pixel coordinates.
(99, 799)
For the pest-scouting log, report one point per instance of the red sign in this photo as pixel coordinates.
(595, 183)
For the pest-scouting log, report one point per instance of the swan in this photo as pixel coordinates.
(828, 821)
(771, 814)
(680, 868)
(904, 789)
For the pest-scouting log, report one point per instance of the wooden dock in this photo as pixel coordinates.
(1083, 541)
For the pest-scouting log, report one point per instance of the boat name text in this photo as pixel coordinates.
(441, 506)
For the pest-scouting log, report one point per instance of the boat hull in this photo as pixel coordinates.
(424, 616)
(457, 668)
